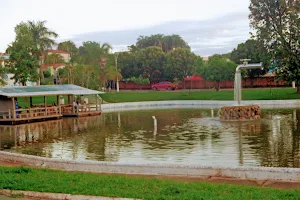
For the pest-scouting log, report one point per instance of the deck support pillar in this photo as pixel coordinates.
(14, 108)
(45, 102)
(58, 104)
(96, 103)
(30, 100)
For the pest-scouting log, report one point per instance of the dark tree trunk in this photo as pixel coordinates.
(298, 88)
(218, 86)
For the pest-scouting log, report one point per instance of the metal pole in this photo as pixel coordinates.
(116, 62)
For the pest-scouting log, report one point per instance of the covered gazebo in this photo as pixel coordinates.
(191, 81)
(17, 103)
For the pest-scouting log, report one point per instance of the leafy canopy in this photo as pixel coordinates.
(277, 25)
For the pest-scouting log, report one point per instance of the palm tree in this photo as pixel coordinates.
(54, 59)
(38, 34)
(106, 48)
(68, 46)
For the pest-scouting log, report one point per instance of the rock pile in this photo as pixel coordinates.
(250, 112)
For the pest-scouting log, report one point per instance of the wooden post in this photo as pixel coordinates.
(30, 100)
(45, 102)
(96, 103)
(58, 104)
(14, 108)
(9, 113)
(73, 105)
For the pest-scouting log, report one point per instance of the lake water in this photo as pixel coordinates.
(187, 136)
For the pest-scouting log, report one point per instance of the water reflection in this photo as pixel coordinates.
(189, 136)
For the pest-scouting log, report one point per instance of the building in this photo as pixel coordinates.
(3, 57)
(66, 55)
(53, 68)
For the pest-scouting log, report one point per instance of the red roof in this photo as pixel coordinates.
(4, 54)
(45, 66)
(193, 78)
(57, 51)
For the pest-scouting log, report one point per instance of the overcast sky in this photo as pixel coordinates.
(209, 26)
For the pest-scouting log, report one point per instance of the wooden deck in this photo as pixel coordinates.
(20, 116)
(81, 111)
(82, 114)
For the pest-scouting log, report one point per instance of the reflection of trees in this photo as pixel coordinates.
(278, 143)
(270, 141)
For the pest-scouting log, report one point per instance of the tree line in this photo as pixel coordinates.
(275, 42)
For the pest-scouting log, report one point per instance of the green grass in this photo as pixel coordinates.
(38, 100)
(248, 94)
(43, 180)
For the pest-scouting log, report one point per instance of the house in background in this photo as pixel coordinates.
(3, 57)
(65, 55)
(55, 66)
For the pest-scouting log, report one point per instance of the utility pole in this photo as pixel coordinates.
(116, 62)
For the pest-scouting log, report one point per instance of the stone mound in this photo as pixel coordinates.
(236, 113)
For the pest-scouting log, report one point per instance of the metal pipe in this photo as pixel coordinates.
(250, 66)
(238, 81)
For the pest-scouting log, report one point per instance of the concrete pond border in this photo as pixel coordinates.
(239, 173)
(55, 196)
(205, 104)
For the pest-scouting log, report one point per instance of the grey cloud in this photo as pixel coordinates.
(205, 37)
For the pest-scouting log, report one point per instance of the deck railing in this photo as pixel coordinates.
(30, 113)
(70, 109)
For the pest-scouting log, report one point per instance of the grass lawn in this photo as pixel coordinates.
(44, 180)
(248, 94)
(24, 102)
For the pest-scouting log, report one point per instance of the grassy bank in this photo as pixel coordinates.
(250, 94)
(42, 180)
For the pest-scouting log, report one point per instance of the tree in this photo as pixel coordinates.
(181, 63)
(166, 43)
(37, 34)
(54, 59)
(22, 63)
(219, 69)
(68, 46)
(140, 81)
(127, 63)
(151, 61)
(171, 42)
(2, 71)
(277, 25)
(254, 50)
(90, 52)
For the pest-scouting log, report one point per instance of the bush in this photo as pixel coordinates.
(47, 74)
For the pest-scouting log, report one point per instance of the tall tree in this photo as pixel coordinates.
(166, 43)
(151, 60)
(127, 63)
(90, 52)
(68, 46)
(21, 63)
(37, 34)
(181, 63)
(54, 58)
(254, 50)
(277, 25)
(219, 69)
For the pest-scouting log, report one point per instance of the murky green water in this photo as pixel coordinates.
(188, 136)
